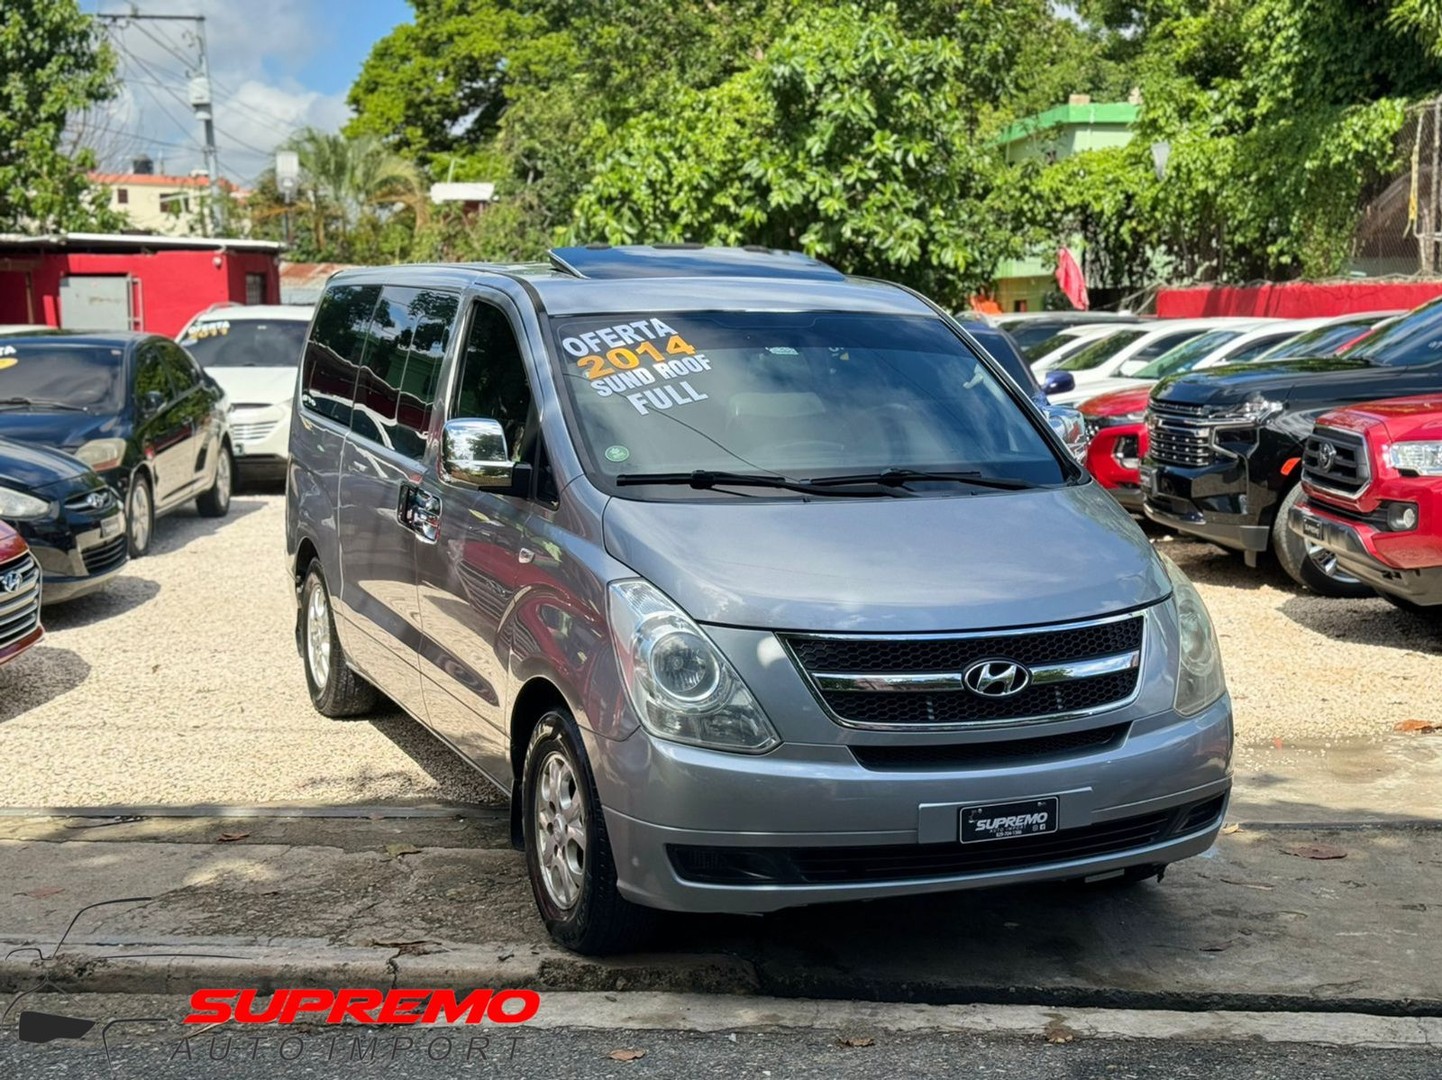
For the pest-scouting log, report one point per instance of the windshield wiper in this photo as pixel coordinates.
(42, 403)
(705, 479)
(902, 477)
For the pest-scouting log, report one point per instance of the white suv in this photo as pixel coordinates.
(253, 352)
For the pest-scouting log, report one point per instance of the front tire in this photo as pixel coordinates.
(335, 689)
(216, 502)
(568, 852)
(139, 515)
(1314, 569)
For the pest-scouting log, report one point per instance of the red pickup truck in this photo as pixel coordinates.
(1117, 441)
(1372, 477)
(19, 596)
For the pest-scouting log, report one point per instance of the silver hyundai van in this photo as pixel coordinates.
(753, 584)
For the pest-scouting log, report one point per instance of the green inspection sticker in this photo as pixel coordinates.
(617, 453)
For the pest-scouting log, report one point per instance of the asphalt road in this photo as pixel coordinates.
(560, 1053)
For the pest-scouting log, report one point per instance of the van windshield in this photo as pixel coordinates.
(246, 342)
(801, 395)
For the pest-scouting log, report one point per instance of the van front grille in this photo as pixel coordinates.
(899, 682)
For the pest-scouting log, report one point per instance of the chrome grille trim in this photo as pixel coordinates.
(1179, 438)
(901, 686)
(1350, 473)
(20, 607)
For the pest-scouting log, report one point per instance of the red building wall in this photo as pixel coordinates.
(1295, 300)
(173, 284)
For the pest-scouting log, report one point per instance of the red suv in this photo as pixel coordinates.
(1372, 476)
(19, 596)
(1117, 440)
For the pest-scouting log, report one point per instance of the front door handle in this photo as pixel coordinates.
(420, 511)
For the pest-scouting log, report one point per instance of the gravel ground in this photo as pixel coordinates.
(179, 683)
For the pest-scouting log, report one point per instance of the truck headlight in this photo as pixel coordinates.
(1199, 675)
(680, 685)
(19, 506)
(1249, 412)
(1422, 458)
(102, 454)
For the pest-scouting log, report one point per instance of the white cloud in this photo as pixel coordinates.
(253, 48)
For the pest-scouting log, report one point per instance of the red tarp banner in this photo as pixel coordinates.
(1295, 300)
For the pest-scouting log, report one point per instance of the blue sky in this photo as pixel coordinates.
(276, 65)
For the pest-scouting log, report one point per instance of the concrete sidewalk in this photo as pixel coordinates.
(1255, 924)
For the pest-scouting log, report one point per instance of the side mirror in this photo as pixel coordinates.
(1070, 428)
(1129, 368)
(474, 452)
(151, 402)
(1057, 382)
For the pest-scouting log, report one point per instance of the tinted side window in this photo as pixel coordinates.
(435, 314)
(336, 347)
(180, 370)
(492, 381)
(150, 371)
(379, 388)
(1166, 343)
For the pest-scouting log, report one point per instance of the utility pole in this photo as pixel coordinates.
(200, 101)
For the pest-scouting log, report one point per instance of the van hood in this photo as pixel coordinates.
(883, 565)
(256, 385)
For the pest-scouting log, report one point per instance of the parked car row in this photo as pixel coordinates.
(1317, 440)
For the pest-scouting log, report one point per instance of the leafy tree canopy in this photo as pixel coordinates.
(51, 66)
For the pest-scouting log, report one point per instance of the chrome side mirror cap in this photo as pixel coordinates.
(1069, 427)
(474, 452)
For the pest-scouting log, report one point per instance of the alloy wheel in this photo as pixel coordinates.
(317, 635)
(140, 516)
(223, 480)
(560, 830)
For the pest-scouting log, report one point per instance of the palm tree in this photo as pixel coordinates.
(359, 177)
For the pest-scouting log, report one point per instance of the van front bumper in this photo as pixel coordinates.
(697, 830)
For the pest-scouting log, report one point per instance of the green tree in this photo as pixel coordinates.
(857, 138)
(52, 65)
(357, 202)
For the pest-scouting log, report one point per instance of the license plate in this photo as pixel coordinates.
(1311, 528)
(110, 526)
(1006, 821)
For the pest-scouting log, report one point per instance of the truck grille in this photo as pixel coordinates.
(1336, 460)
(920, 682)
(1178, 435)
(20, 604)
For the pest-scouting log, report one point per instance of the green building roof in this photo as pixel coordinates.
(1119, 113)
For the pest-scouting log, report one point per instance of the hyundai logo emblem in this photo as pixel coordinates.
(1326, 456)
(11, 582)
(996, 678)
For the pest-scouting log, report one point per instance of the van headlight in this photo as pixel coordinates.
(680, 685)
(1199, 675)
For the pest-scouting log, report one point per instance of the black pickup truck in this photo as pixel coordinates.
(1226, 445)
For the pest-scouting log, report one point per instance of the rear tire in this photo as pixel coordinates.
(1316, 571)
(216, 502)
(335, 689)
(568, 852)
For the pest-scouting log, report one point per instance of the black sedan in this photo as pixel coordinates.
(134, 407)
(68, 515)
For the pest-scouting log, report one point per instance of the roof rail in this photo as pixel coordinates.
(601, 261)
